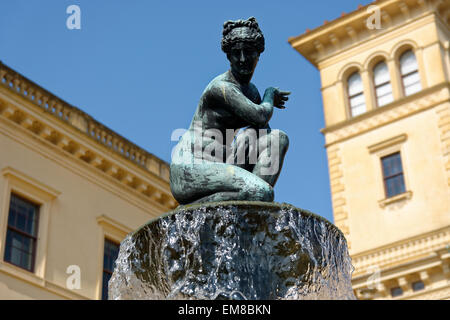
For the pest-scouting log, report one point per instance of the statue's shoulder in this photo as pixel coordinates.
(218, 82)
(221, 79)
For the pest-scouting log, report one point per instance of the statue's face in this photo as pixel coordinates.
(243, 58)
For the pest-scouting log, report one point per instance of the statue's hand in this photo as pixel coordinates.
(280, 98)
(276, 96)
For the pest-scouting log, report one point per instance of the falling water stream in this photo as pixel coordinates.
(234, 250)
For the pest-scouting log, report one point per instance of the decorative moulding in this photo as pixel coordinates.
(112, 226)
(43, 189)
(403, 196)
(387, 143)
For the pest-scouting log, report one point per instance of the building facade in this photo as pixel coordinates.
(385, 83)
(70, 191)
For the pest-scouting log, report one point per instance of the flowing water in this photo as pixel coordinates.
(234, 250)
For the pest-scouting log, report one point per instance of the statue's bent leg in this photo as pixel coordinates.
(211, 181)
(271, 146)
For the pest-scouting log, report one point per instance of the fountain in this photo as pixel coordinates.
(228, 240)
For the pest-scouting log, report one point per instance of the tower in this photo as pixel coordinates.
(385, 72)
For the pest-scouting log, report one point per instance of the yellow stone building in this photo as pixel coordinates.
(70, 191)
(385, 82)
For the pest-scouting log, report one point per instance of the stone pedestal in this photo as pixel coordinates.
(234, 250)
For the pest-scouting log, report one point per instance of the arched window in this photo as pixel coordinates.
(382, 82)
(356, 98)
(410, 73)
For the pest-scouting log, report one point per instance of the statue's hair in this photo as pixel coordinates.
(255, 37)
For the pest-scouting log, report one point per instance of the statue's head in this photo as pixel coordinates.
(243, 42)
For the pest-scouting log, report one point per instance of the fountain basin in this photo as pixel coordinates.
(234, 250)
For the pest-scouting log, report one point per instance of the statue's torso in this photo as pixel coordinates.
(212, 112)
(214, 115)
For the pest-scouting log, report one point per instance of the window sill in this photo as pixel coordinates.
(399, 197)
(22, 274)
(33, 279)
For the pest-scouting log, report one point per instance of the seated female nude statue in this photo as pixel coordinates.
(229, 151)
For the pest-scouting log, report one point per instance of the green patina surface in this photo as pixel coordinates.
(212, 160)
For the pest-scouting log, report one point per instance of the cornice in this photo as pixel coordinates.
(431, 270)
(70, 116)
(350, 30)
(145, 201)
(401, 251)
(399, 109)
(377, 39)
(11, 173)
(331, 26)
(387, 143)
(27, 110)
(440, 293)
(107, 222)
(430, 267)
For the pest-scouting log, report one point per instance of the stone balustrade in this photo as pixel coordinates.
(76, 118)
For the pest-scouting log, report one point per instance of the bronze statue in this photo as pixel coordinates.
(233, 250)
(213, 161)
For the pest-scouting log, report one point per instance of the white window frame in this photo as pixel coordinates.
(37, 192)
(112, 230)
(379, 85)
(380, 150)
(416, 71)
(360, 93)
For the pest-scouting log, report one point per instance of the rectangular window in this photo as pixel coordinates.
(396, 292)
(356, 97)
(411, 83)
(418, 285)
(393, 175)
(382, 82)
(357, 104)
(384, 94)
(409, 70)
(21, 235)
(110, 254)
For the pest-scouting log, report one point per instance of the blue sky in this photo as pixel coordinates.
(139, 67)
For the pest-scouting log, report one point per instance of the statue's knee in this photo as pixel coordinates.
(268, 193)
(264, 192)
